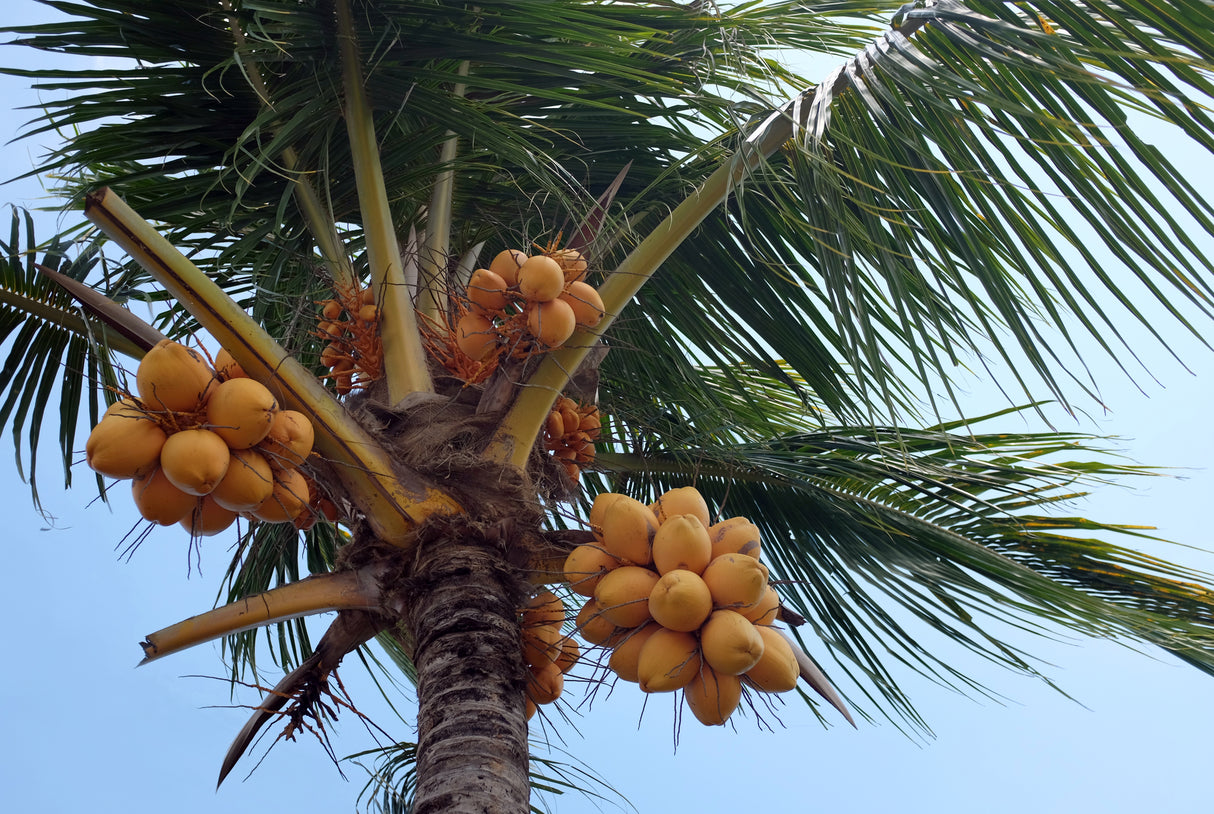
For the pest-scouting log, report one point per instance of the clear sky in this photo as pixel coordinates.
(84, 730)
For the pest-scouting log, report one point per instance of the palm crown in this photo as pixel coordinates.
(821, 266)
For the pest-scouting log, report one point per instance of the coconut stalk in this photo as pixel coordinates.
(74, 322)
(348, 590)
(522, 424)
(316, 215)
(405, 366)
(393, 500)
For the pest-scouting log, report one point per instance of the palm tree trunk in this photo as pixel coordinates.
(472, 733)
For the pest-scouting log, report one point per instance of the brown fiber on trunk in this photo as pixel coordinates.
(472, 733)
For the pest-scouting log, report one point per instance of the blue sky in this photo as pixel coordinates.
(85, 729)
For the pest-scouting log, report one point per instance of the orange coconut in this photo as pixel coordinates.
(173, 377)
(586, 303)
(228, 368)
(599, 508)
(596, 628)
(487, 291)
(766, 610)
(507, 263)
(160, 501)
(713, 697)
(572, 263)
(475, 335)
(126, 442)
(777, 669)
(545, 608)
(545, 682)
(247, 483)
(551, 322)
(541, 644)
(681, 542)
(289, 441)
(289, 497)
(541, 279)
(241, 412)
(737, 535)
(586, 565)
(669, 660)
(736, 581)
(731, 644)
(195, 461)
(570, 653)
(683, 500)
(207, 518)
(623, 595)
(627, 654)
(628, 529)
(680, 601)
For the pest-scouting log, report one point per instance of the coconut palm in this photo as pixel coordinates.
(791, 270)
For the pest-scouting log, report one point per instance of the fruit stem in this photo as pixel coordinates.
(392, 499)
(405, 365)
(522, 424)
(318, 594)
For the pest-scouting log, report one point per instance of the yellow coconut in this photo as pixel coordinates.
(289, 441)
(627, 653)
(683, 500)
(289, 498)
(598, 509)
(551, 322)
(777, 670)
(545, 683)
(669, 660)
(737, 535)
(628, 529)
(195, 461)
(241, 412)
(586, 565)
(173, 377)
(475, 335)
(586, 303)
(126, 442)
(680, 601)
(681, 542)
(713, 697)
(207, 518)
(570, 653)
(766, 611)
(228, 368)
(487, 291)
(160, 501)
(247, 483)
(736, 581)
(507, 263)
(596, 628)
(731, 644)
(623, 595)
(541, 279)
(572, 263)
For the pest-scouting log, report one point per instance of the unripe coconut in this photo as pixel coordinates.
(241, 412)
(683, 500)
(627, 653)
(551, 322)
(228, 368)
(669, 660)
(680, 601)
(777, 670)
(737, 535)
(736, 581)
(623, 595)
(289, 498)
(596, 628)
(545, 683)
(681, 542)
(628, 529)
(195, 461)
(126, 442)
(475, 335)
(289, 441)
(247, 483)
(487, 291)
(570, 653)
(586, 565)
(207, 518)
(599, 508)
(541, 279)
(507, 263)
(173, 377)
(586, 303)
(731, 644)
(713, 697)
(160, 501)
(766, 610)
(571, 262)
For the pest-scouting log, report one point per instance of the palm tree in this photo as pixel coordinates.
(820, 267)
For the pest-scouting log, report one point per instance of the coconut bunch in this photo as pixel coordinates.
(681, 603)
(354, 353)
(570, 433)
(527, 303)
(548, 653)
(204, 446)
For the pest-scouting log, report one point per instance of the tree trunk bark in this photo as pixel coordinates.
(472, 733)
